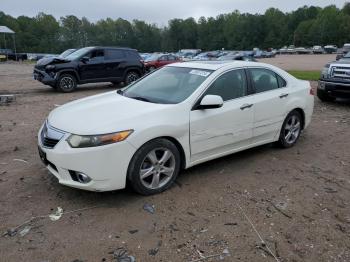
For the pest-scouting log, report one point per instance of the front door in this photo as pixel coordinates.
(94, 68)
(216, 131)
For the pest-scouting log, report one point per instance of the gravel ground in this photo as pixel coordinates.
(296, 199)
(300, 62)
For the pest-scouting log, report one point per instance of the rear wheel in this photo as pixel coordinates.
(291, 130)
(67, 83)
(154, 167)
(324, 97)
(130, 77)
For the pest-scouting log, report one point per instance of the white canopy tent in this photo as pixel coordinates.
(5, 30)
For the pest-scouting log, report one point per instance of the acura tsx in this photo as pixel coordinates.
(176, 117)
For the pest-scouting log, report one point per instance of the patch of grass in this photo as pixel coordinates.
(306, 75)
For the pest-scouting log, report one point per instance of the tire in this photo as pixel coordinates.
(324, 97)
(67, 83)
(53, 87)
(147, 161)
(115, 83)
(130, 77)
(291, 130)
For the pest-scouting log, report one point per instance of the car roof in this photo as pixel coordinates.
(215, 65)
(113, 47)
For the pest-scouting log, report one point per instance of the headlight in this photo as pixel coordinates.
(325, 70)
(50, 67)
(77, 141)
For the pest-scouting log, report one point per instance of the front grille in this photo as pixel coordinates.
(341, 72)
(50, 136)
(49, 142)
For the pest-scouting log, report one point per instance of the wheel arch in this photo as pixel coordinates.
(69, 71)
(133, 69)
(302, 113)
(175, 142)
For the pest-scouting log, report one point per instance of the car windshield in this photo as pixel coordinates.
(153, 57)
(79, 53)
(169, 85)
(67, 53)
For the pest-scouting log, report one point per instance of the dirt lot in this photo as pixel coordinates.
(297, 199)
(300, 62)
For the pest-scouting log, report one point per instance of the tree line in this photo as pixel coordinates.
(306, 26)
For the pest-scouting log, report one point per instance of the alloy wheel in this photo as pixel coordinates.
(157, 168)
(131, 78)
(67, 83)
(292, 129)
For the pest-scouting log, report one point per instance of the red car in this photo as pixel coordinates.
(158, 60)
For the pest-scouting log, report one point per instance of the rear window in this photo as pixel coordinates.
(133, 55)
(111, 54)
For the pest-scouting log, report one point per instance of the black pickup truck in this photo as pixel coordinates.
(335, 80)
(90, 65)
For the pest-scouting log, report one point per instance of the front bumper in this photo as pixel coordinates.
(106, 165)
(44, 77)
(335, 88)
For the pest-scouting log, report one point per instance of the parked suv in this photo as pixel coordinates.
(90, 65)
(335, 80)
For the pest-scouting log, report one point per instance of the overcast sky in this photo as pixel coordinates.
(157, 11)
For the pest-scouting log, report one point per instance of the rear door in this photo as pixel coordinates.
(115, 61)
(216, 131)
(95, 67)
(270, 99)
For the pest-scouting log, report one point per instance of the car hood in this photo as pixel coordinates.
(51, 60)
(102, 114)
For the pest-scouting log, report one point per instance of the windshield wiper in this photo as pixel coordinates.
(140, 98)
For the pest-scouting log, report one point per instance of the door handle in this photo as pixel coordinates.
(284, 95)
(246, 106)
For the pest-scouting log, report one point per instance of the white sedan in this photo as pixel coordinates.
(174, 118)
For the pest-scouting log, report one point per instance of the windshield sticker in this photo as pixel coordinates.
(199, 73)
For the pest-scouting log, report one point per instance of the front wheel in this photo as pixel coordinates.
(67, 83)
(154, 167)
(291, 130)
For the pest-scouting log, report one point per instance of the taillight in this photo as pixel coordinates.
(312, 91)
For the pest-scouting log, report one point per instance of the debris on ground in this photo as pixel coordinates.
(133, 231)
(6, 99)
(20, 160)
(153, 252)
(25, 231)
(149, 208)
(57, 215)
(221, 256)
(121, 255)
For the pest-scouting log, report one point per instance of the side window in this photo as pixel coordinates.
(113, 54)
(229, 86)
(171, 58)
(133, 55)
(163, 58)
(96, 55)
(281, 81)
(263, 79)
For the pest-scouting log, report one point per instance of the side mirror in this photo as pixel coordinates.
(85, 59)
(211, 102)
